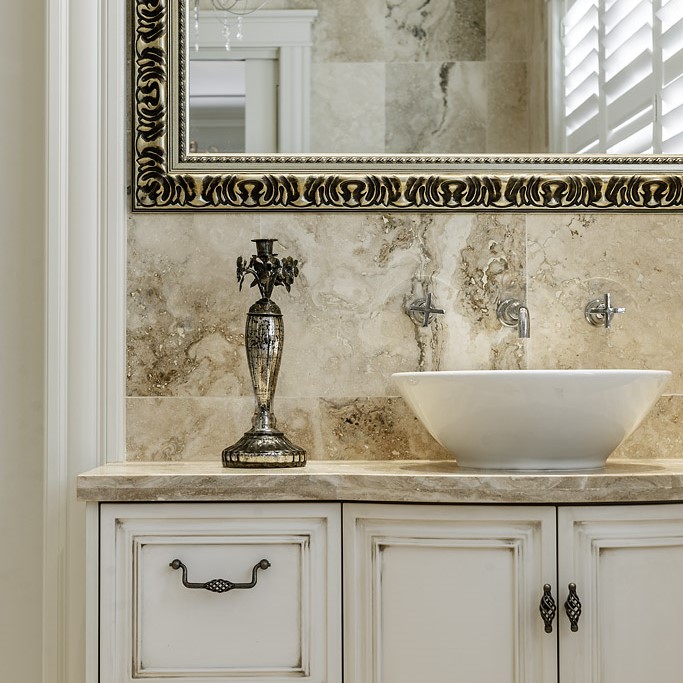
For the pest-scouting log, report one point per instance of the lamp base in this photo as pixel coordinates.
(261, 448)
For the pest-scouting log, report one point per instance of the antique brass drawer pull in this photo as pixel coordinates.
(548, 608)
(219, 585)
(573, 607)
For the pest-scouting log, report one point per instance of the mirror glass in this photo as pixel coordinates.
(410, 77)
(217, 99)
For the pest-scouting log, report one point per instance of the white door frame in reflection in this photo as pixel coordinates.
(281, 35)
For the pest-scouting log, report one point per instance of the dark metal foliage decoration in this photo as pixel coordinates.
(268, 271)
(155, 187)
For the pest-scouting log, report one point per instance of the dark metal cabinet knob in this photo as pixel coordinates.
(547, 608)
(219, 585)
(572, 607)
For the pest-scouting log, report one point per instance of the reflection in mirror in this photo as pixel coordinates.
(618, 76)
(248, 79)
(455, 76)
(217, 106)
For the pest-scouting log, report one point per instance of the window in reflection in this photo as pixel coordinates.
(622, 76)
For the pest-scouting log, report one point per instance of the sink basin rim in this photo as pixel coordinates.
(530, 372)
(545, 419)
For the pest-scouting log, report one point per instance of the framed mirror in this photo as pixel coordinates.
(407, 108)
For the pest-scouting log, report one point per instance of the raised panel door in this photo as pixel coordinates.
(627, 564)
(447, 593)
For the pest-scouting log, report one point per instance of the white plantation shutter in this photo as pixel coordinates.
(671, 108)
(583, 76)
(621, 69)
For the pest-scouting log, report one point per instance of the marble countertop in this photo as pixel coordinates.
(405, 481)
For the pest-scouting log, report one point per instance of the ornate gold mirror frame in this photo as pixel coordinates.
(166, 178)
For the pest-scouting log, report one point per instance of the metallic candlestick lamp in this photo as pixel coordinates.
(264, 445)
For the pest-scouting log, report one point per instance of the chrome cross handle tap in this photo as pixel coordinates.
(599, 312)
(422, 312)
(513, 313)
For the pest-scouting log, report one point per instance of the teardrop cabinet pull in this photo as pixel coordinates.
(572, 607)
(219, 585)
(547, 608)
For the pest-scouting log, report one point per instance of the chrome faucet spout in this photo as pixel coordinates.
(513, 313)
(524, 323)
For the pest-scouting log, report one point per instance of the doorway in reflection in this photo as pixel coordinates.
(232, 105)
(252, 94)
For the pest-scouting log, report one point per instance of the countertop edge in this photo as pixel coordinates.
(622, 481)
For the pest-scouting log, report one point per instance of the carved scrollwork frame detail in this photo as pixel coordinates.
(421, 183)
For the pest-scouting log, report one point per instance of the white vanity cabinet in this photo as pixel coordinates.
(436, 593)
(284, 627)
(422, 591)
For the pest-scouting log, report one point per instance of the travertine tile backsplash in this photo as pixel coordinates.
(189, 393)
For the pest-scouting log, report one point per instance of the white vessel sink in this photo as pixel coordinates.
(531, 419)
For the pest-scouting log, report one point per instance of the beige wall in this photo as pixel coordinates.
(188, 386)
(22, 187)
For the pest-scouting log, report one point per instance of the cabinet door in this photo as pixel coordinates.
(627, 565)
(161, 620)
(447, 593)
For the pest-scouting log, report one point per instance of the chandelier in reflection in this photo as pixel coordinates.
(229, 13)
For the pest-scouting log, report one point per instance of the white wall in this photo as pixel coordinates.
(22, 234)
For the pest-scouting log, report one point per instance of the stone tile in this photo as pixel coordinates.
(436, 108)
(507, 30)
(488, 267)
(380, 428)
(347, 108)
(346, 326)
(347, 311)
(185, 314)
(183, 429)
(347, 330)
(198, 429)
(537, 21)
(573, 258)
(436, 31)
(375, 429)
(539, 131)
(507, 125)
(660, 435)
(349, 31)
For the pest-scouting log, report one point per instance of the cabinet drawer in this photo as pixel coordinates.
(170, 620)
